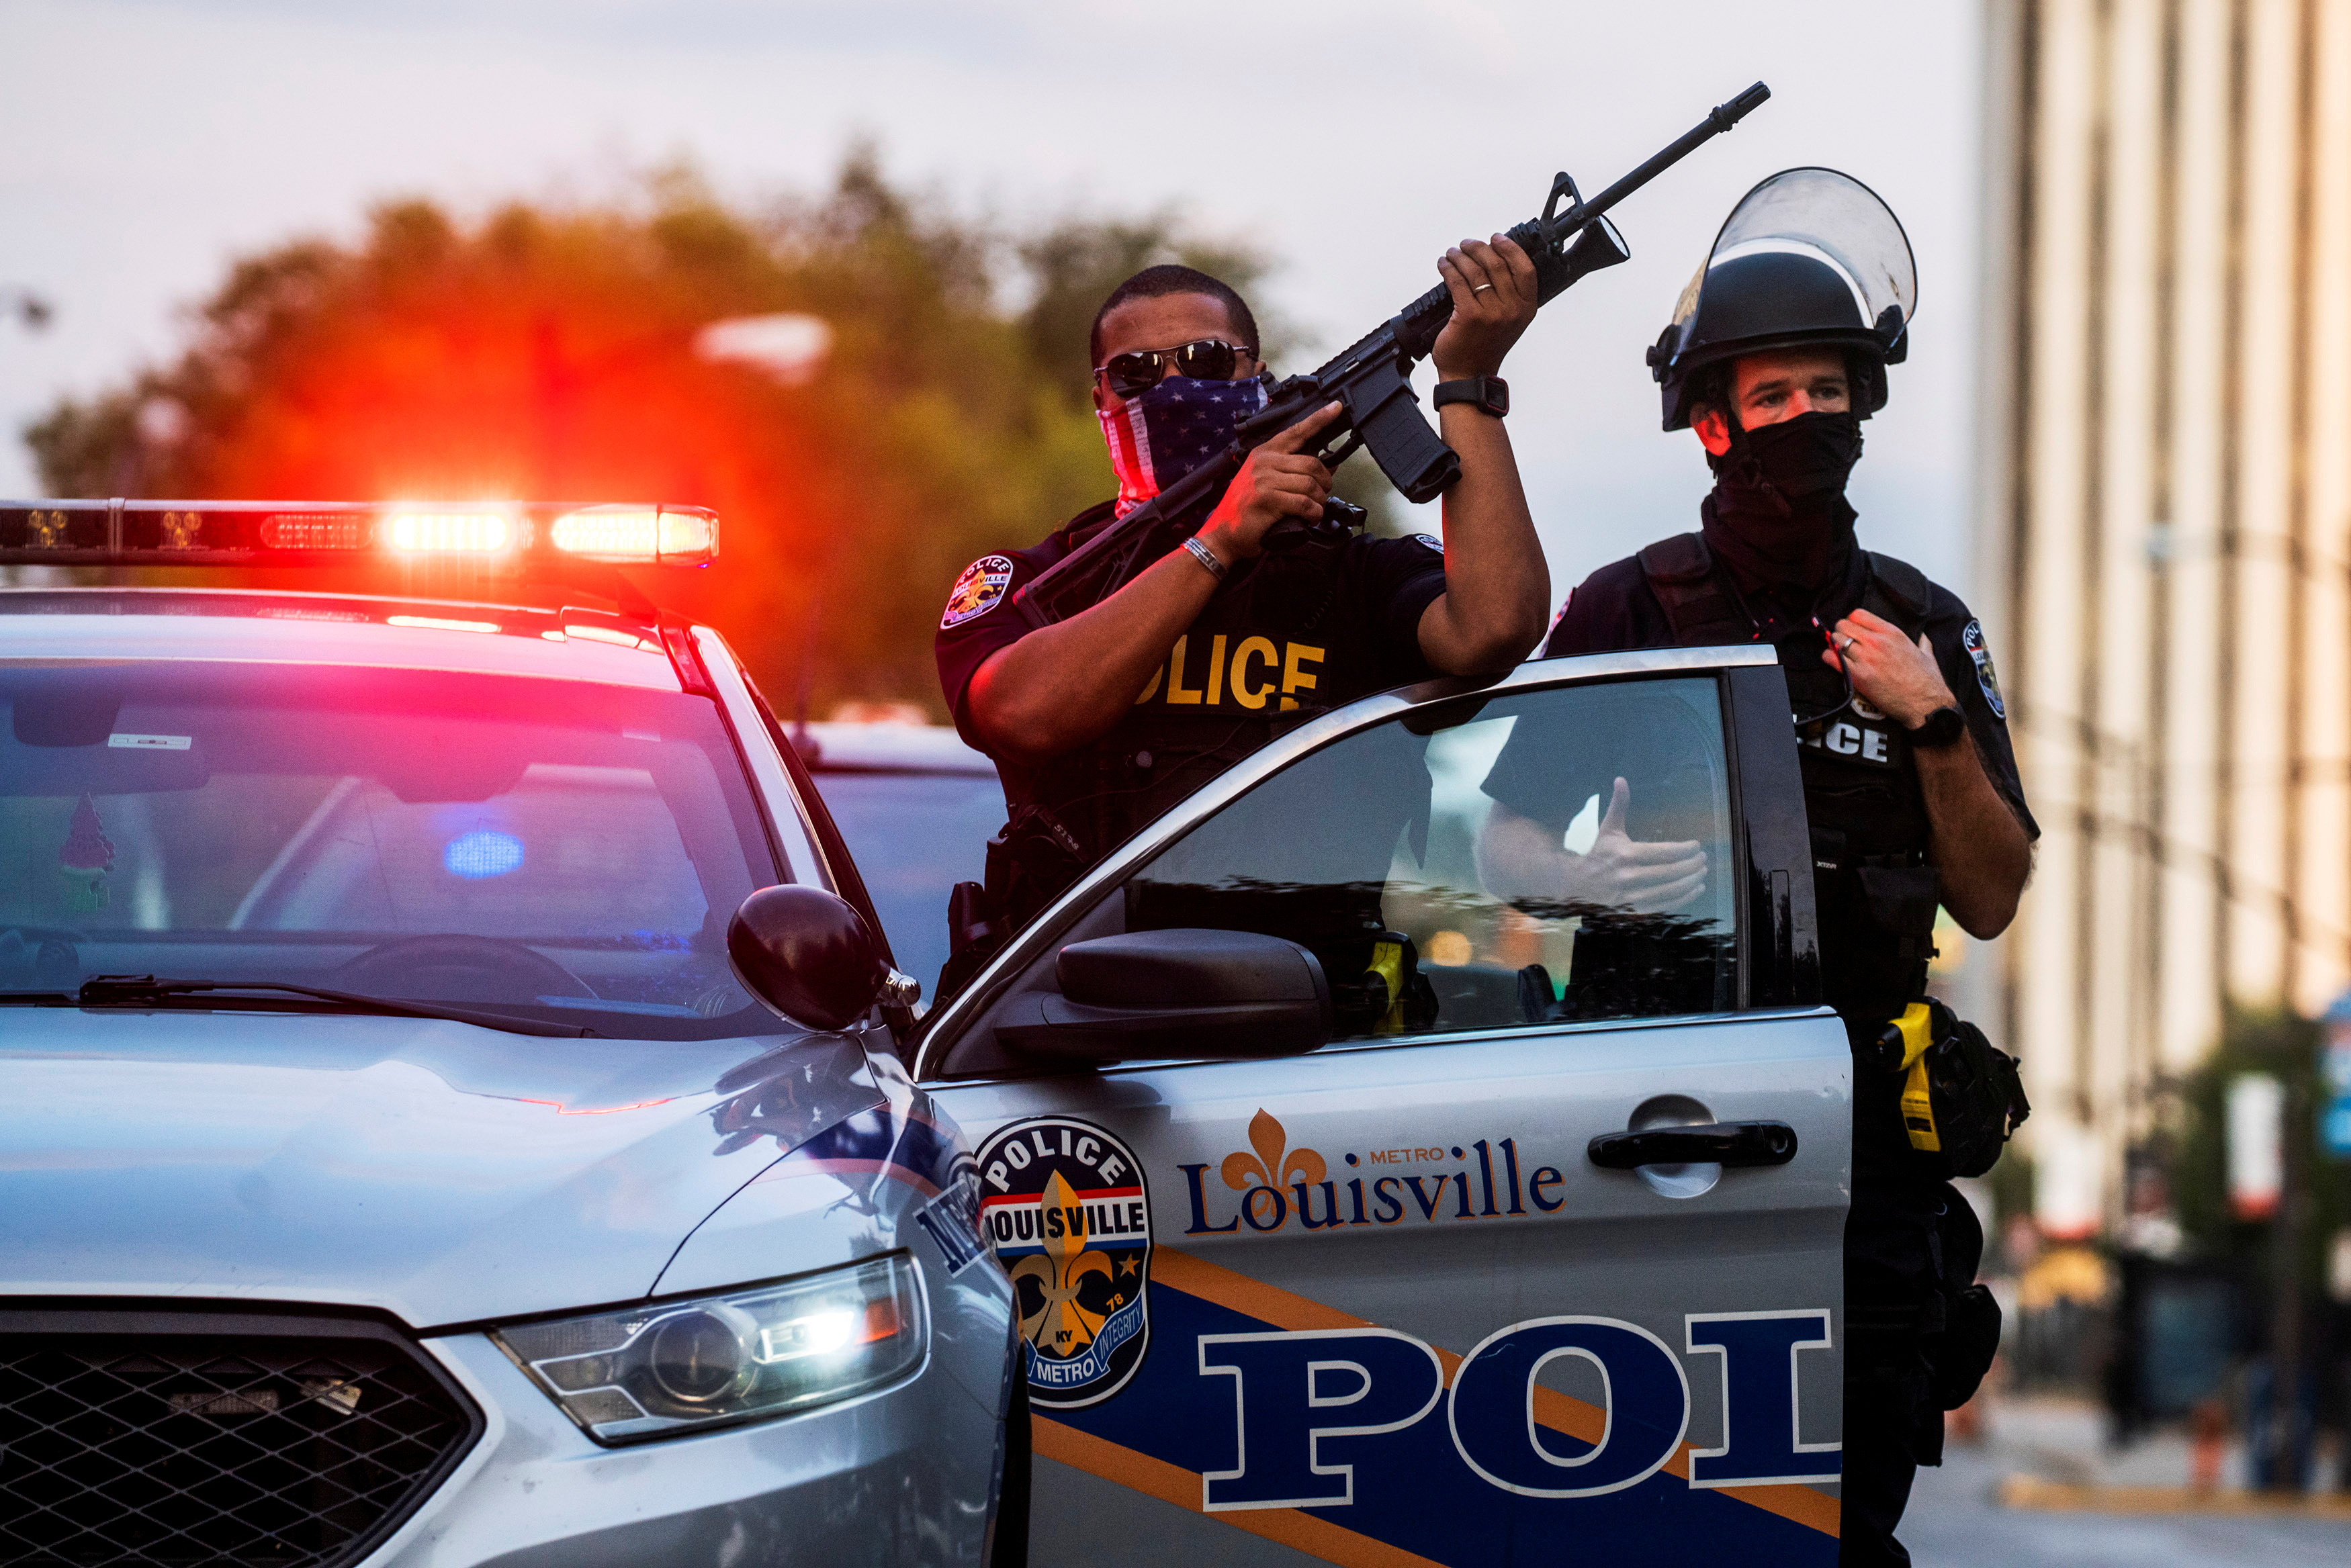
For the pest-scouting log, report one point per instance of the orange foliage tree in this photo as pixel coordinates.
(552, 353)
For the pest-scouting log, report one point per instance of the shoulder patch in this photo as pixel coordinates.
(1432, 541)
(1972, 640)
(978, 590)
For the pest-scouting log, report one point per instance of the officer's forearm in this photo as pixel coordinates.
(1518, 858)
(1497, 589)
(1067, 683)
(1976, 841)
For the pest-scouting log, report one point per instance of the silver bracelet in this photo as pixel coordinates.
(1206, 556)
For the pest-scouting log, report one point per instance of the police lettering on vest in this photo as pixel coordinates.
(1255, 672)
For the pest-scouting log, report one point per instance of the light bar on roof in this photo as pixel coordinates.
(500, 538)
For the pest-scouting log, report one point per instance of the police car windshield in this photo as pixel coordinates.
(567, 850)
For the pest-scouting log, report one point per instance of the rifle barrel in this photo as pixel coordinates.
(1417, 324)
(1721, 118)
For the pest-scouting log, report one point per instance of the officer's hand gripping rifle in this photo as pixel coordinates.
(1370, 381)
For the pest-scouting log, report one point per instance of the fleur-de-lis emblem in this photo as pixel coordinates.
(1272, 1165)
(1063, 1325)
(180, 529)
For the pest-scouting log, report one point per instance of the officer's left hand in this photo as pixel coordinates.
(1485, 320)
(1894, 675)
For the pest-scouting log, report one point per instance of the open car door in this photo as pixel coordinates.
(1379, 1189)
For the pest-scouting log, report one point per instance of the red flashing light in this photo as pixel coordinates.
(677, 536)
(420, 532)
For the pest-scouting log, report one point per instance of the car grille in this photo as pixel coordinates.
(284, 1444)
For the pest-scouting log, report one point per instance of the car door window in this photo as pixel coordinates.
(916, 836)
(1536, 857)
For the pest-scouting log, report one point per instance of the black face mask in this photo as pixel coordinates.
(1778, 515)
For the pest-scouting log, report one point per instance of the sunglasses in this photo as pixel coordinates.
(1207, 360)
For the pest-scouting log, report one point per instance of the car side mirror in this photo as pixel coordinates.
(1182, 992)
(809, 956)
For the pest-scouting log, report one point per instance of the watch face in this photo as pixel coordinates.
(1497, 399)
(1942, 726)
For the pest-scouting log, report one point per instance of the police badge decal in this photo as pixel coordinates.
(1064, 1205)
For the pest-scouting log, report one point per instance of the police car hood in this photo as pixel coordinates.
(438, 1171)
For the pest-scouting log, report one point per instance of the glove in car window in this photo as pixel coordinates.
(1491, 872)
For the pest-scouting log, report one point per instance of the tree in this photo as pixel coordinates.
(549, 353)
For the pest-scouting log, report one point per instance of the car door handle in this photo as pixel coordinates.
(1713, 1143)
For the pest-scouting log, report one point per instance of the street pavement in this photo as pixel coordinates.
(1956, 1519)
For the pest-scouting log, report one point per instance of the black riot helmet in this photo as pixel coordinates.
(1808, 258)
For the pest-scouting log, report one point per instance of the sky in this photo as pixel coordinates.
(146, 143)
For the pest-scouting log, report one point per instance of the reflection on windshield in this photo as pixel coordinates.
(564, 849)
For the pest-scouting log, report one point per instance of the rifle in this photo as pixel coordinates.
(1370, 379)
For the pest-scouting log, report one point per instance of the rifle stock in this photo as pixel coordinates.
(1370, 379)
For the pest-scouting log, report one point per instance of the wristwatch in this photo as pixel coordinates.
(1939, 728)
(1486, 394)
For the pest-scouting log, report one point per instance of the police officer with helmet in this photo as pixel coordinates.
(1099, 721)
(1777, 352)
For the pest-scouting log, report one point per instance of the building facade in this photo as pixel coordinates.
(2165, 539)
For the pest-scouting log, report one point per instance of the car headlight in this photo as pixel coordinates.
(681, 1366)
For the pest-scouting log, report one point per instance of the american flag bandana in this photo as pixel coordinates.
(1158, 438)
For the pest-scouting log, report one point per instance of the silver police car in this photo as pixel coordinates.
(394, 1164)
(1344, 1184)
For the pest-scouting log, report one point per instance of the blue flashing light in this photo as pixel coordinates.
(484, 852)
(2334, 1129)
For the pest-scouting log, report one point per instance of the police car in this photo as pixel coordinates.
(394, 1165)
(1310, 1201)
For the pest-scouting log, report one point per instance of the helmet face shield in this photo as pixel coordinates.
(1838, 218)
(1808, 258)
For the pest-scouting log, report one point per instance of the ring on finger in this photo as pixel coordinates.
(1844, 645)
(1481, 288)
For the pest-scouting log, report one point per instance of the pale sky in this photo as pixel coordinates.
(143, 145)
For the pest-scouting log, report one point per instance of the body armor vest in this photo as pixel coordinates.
(1874, 891)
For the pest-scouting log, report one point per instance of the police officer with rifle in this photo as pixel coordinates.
(1224, 594)
(1776, 353)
